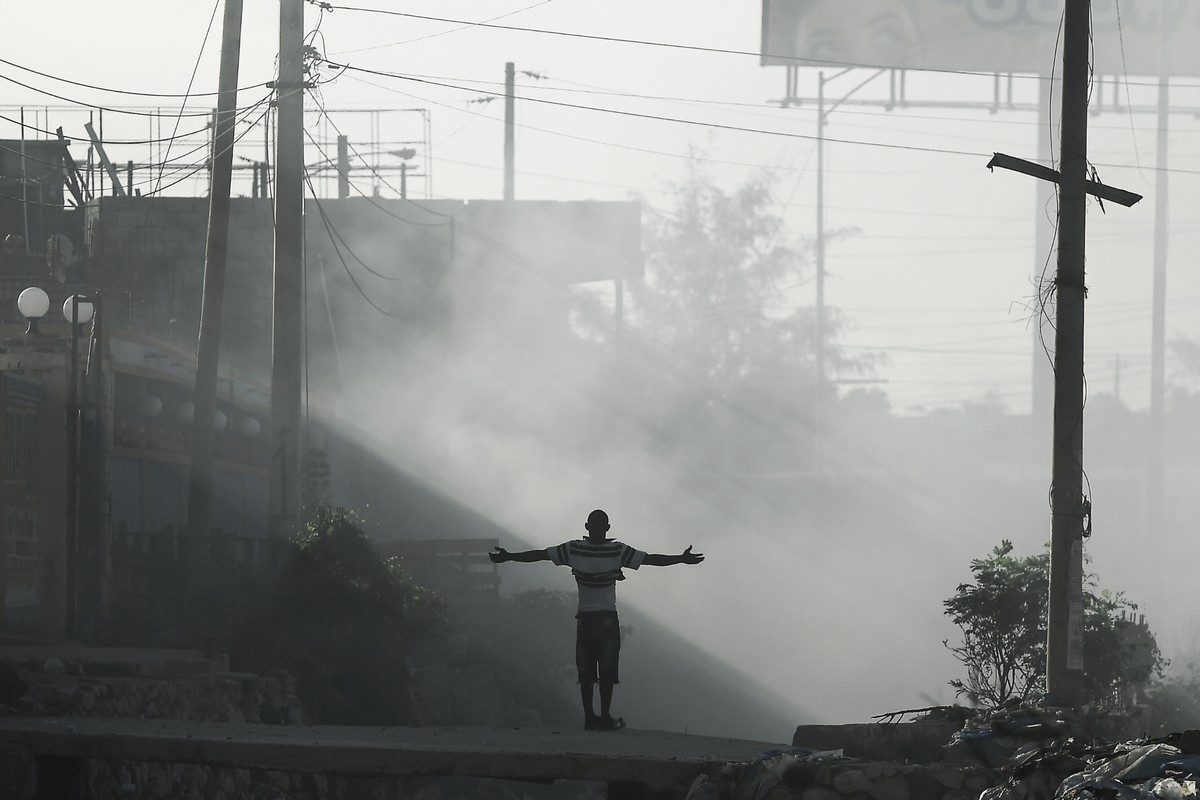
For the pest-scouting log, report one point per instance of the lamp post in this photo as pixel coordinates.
(404, 156)
(33, 303)
(822, 381)
(78, 310)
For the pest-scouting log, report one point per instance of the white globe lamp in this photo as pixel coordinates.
(33, 303)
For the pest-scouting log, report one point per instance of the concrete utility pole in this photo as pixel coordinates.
(1064, 631)
(1156, 473)
(208, 348)
(509, 127)
(286, 332)
(343, 167)
(819, 333)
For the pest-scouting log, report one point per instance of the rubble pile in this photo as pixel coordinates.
(1166, 768)
(1010, 753)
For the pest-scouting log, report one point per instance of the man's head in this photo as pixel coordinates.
(597, 525)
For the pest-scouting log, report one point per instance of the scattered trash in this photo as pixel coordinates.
(1053, 754)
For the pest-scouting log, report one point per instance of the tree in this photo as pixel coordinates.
(727, 353)
(714, 298)
(1002, 617)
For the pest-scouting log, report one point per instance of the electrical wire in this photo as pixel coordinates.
(677, 120)
(700, 123)
(333, 238)
(54, 133)
(110, 109)
(1128, 100)
(325, 114)
(245, 112)
(494, 244)
(191, 80)
(130, 92)
(444, 33)
(796, 60)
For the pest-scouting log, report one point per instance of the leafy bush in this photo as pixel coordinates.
(1002, 617)
(341, 620)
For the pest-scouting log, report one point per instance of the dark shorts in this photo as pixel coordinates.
(597, 646)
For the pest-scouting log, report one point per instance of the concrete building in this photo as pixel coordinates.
(430, 266)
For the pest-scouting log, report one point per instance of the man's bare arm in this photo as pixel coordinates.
(686, 557)
(525, 556)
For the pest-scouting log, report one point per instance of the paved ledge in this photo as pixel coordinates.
(656, 760)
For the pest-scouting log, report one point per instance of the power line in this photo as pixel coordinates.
(191, 80)
(576, 137)
(110, 90)
(677, 120)
(188, 170)
(110, 109)
(495, 244)
(445, 33)
(372, 170)
(333, 238)
(178, 137)
(797, 60)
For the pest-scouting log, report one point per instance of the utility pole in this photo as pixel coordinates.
(822, 379)
(343, 167)
(208, 347)
(1069, 509)
(1156, 473)
(820, 244)
(286, 330)
(509, 127)
(1071, 515)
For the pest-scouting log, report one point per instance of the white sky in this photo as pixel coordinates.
(937, 276)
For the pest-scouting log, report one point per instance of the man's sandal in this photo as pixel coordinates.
(606, 724)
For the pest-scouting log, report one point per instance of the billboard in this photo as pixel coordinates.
(978, 35)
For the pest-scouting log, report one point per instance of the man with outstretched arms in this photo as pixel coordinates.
(597, 563)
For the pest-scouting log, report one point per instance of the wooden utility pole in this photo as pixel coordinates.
(208, 347)
(509, 127)
(1064, 631)
(286, 339)
(1071, 517)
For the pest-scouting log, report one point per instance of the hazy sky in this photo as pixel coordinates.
(935, 270)
(936, 275)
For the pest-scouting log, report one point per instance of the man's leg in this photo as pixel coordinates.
(606, 690)
(589, 711)
(585, 665)
(609, 671)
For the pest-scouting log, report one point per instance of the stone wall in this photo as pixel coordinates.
(158, 688)
(49, 691)
(832, 776)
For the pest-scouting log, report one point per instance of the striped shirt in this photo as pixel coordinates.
(597, 568)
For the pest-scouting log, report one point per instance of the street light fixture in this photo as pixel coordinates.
(33, 303)
(404, 155)
(79, 309)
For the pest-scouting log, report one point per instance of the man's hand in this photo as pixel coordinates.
(500, 556)
(688, 557)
